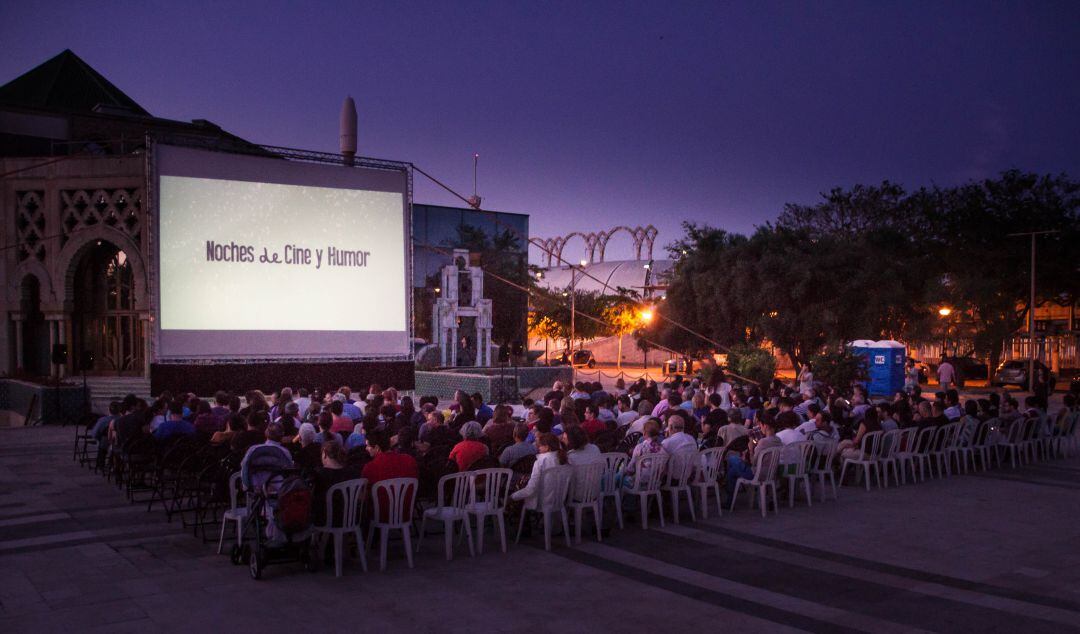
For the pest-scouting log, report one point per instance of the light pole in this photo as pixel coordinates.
(646, 319)
(547, 358)
(1031, 307)
(573, 308)
(944, 311)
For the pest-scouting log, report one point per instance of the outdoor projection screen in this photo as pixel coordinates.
(264, 257)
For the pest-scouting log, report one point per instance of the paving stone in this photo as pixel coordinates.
(920, 557)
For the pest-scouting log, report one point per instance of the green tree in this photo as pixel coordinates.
(542, 326)
(848, 267)
(555, 306)
(623, 316)
(982, 271)
(706, 293)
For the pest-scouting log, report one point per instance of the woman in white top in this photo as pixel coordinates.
(550, 455)
(806, 379)
(722, 388)
(581, 451)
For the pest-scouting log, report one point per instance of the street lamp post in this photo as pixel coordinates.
(646, 319)
(573, 309)
(1031, 307)
(944, 311)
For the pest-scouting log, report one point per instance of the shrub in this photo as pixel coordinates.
(839, 368)
(752, 362)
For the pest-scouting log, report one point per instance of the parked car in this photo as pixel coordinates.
(581, 358)
(1014, 372)
(680, 365)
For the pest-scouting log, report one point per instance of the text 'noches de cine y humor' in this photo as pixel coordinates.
(291, 254)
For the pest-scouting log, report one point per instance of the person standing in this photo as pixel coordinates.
(806, 379)
(946, 374)
(911, 376)
(1040, 389)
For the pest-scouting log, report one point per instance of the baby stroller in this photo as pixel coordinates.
(279, 513)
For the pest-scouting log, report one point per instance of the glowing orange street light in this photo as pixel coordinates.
(646, 316)
(944, 311)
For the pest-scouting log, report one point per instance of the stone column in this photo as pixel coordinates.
(453, 346)
(61, 330)
(147, 323)
(52, 342)
(19, 320)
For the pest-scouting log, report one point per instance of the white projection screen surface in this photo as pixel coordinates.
(269, 258)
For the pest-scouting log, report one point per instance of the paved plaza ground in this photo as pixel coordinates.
(987, 552)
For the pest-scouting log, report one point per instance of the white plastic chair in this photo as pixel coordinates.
(970, 429)
(709, 478)
(954, 443)
(800, 454)
(551, 497)
(1038, 441)
(680, 473)
(1065, 444)
(939, 452)
(904, 453)
(397, 508)
(451, 511)
(924, 444)
(351, 493)
(977, 449)
(611, 481)
(1044, 436)
(822, 467)
(1014, 442)
(235, 513)
(766, 462)
(648, 476)
(585, 494)
(489, 492)
(888, 454)
(867, 460)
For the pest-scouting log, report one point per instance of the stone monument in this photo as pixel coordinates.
(461, 318)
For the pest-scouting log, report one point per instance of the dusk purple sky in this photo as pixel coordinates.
(592, 114)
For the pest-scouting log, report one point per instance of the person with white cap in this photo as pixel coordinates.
(470, 449)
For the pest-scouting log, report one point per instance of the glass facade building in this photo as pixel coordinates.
(498, 242)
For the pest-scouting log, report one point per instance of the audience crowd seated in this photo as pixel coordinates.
(331, 437)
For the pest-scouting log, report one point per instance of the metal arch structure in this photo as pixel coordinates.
(642, 237)
(596, 244)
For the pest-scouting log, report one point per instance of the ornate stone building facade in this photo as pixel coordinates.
(75, 221)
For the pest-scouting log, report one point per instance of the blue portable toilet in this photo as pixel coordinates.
(884, 365)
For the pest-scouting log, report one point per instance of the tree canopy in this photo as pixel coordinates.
(875, 262)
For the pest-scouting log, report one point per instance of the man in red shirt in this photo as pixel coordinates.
(593, 425)
(342, 423)
(469, 450)
(386, 465)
